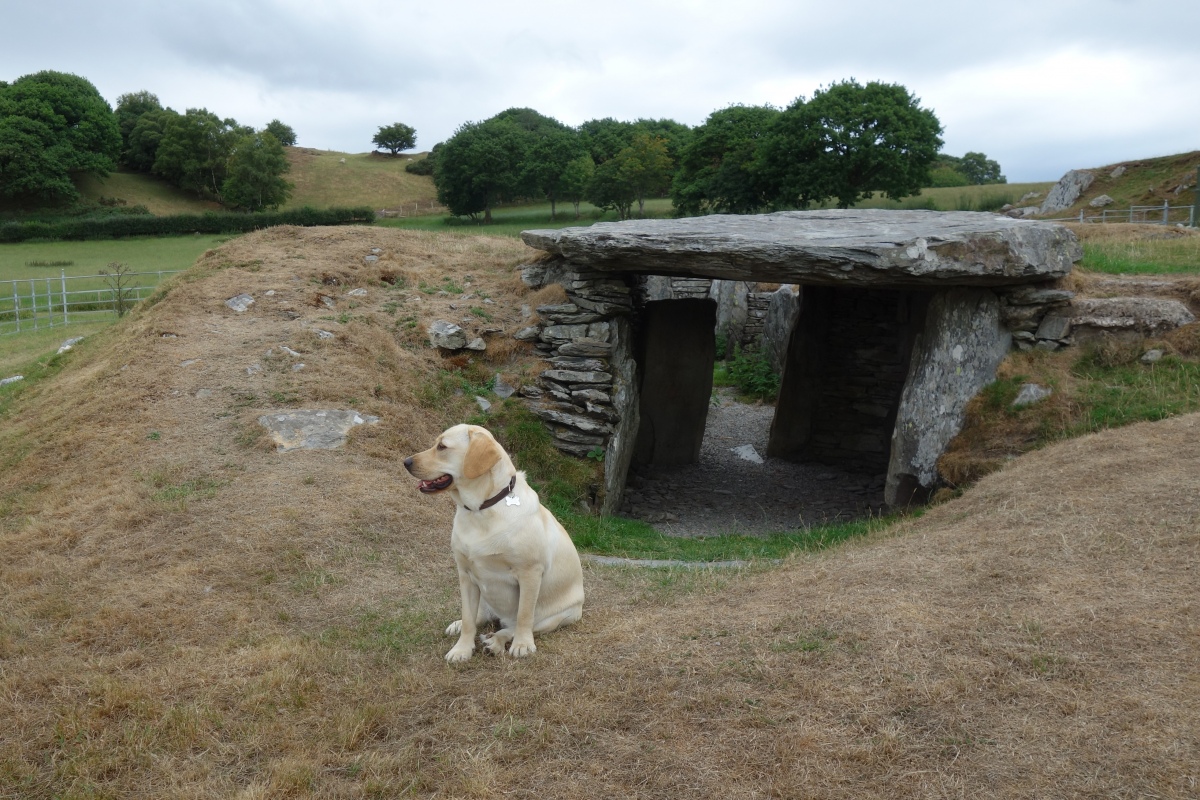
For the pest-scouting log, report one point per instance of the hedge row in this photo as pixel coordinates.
(112, 227)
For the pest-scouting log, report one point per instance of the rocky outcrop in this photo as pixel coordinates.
(1124, 317)
(1067, 191)
(868, 248)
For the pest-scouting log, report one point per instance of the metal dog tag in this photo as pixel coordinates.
(512, 501)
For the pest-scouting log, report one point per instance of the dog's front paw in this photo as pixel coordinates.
(454, 628)
(460, 653)
(520, 649)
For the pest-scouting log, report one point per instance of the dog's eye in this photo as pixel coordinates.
(441, 446)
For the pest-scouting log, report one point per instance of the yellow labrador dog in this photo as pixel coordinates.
(516, 563)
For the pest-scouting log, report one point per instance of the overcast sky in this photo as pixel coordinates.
(1042, 87)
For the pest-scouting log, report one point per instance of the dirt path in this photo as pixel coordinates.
(726, 493)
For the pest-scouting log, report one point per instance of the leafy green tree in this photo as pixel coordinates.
(396, 137)
(944, 177)
(604, 138)
(254, 180)
(141, 150)
(640, 170)
(194, 150)
(848, 142)
(130, 108)
(531, 121)
(979, 169)
(547, 161)
(675, 134)
(481, 165)
(647, 167)
(609, 189)
(716, 168)
(52, 125)
(575, 180)
(285, 134)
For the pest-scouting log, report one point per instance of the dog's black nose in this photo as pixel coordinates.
(408, 463)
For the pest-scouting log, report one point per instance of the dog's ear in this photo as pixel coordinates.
(482, 455)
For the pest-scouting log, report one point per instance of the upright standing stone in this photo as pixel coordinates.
(953, 358)
(676, 380)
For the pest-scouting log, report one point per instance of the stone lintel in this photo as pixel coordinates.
(839, 247)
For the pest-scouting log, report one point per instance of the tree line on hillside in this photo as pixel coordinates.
(54, 125)
(844, 144)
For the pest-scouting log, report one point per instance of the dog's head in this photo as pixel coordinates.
(461, 454)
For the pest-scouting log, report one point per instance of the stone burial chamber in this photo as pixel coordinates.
(900, 318)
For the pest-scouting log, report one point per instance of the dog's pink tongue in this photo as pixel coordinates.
(423, 486)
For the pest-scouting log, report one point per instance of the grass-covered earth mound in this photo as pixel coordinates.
(185, 612)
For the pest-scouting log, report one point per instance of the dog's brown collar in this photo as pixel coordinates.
(505, 492)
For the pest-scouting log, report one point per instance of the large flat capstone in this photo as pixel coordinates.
(852, 247)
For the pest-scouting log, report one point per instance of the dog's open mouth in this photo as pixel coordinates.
(435, 485)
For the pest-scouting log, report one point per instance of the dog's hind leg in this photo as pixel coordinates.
(495, 643)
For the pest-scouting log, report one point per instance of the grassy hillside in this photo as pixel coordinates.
(326, 178)
(139, 189)
(188, 610)
(323, 178)
(1149, 181)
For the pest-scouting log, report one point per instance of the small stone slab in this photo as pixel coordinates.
(447, 335)
(1031, 393)
(573, 376)
(12, 379)
(838, 247)
(502, 389)
(240, 302)
(312, 429)
(584, 348)
(747, 453)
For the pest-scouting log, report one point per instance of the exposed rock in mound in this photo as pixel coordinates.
(312, 429)
(867, 247)
(1067, 191)
(447, 335)
(1133, 316)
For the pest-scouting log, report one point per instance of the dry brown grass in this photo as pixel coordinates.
(194, 615)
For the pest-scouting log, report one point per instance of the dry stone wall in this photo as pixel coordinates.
(590, 387)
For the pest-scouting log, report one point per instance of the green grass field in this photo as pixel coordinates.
(989, 197)
(27, 352)
(1143, 257)
(38, 267)
(510, 221)
(140, 254)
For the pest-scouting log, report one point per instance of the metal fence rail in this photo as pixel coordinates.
(1166, 214)
(32, 304)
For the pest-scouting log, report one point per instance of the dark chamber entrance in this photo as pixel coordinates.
(826, 444)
